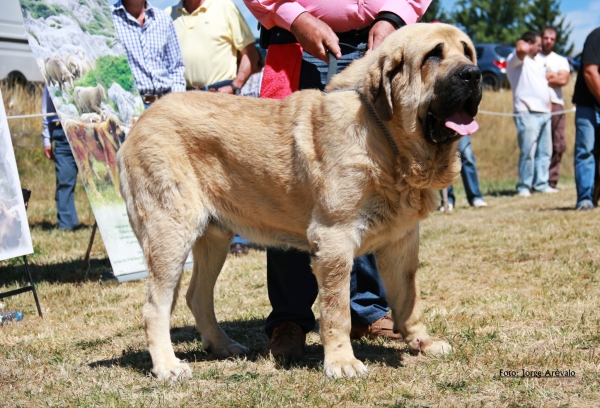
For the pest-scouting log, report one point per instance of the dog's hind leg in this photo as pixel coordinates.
(397, 264)
(165, 248)
(332, 265)
(210, 252)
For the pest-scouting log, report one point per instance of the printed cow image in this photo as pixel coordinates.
(99, 142)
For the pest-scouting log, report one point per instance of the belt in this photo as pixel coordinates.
(278, 35)
(211, 87)
(151, 98)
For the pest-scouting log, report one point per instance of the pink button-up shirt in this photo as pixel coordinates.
(340, 15)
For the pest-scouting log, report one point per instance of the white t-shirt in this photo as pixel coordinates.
(554, 63)
(530, 88)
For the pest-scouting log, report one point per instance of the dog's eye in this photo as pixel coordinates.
(468, 52)
(435, 55)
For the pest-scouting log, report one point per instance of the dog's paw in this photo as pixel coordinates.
(226, 350)
(438, 348)
(429, 346)
(173, 372)
(345, 368)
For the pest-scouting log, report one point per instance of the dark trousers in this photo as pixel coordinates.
(291, 284)
(66, 179)
(559, 144)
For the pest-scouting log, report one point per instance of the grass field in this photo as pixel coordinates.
(513, 287)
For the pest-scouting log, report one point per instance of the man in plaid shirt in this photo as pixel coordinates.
(152, 48)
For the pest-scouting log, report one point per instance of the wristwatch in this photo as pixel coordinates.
(236, 90)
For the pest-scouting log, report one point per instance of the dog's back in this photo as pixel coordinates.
(194, 151)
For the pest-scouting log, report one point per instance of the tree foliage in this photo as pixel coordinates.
(110, 69)
(436, 13)
(504, 21)
(544, 13)
(491, 21)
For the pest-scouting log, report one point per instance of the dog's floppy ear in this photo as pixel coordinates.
(379, 83)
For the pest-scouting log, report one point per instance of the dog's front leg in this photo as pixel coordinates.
(332, 265)
(397, 264)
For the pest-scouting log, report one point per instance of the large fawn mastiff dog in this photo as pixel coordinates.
(339, 174)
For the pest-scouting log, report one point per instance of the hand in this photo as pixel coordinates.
(379, 32)
(48, 152)
(226, 89)
(315, 37)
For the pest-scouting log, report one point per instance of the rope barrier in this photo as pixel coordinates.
(523, 114)
(38, 115)
(35, 115)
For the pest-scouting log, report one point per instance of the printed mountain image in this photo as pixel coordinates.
(90, 82)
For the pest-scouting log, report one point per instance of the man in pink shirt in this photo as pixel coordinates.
(301, 33)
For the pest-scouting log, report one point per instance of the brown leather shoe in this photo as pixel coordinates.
(238, 249)
(383, 327)
(287, 343)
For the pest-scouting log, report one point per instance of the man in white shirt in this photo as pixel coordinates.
(557, 74)
(531, 97)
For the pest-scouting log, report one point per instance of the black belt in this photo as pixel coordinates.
(212, 87)
(278, 35)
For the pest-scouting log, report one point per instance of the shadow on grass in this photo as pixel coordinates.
(249, 333)
(62, 272)
(50, 226)
(501, 193)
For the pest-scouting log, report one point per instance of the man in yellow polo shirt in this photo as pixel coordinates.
(211, 34)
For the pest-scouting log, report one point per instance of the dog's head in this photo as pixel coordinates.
(425, 75)
(432, 66)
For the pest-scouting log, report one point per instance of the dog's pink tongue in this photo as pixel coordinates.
(462, 123)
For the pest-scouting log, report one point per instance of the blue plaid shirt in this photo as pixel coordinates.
(152, 50)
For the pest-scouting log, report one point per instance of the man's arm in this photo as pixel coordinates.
(522, 49)
(248, 66)
(557, 79)
(45, 126)
(174, 60)
(314, 36)
(592, 79)
(393, 15)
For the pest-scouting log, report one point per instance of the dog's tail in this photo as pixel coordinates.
(126, 192)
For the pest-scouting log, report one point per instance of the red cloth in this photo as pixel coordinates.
(281, 75)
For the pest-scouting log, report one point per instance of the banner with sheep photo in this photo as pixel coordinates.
(15, 239)
(93, 90)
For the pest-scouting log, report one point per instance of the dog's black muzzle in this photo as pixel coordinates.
(458, 93)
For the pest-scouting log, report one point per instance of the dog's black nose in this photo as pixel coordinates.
(471, 74)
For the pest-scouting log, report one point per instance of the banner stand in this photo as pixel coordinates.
(31, 287)
(86, 260)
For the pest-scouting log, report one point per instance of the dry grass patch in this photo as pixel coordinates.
(513, 286)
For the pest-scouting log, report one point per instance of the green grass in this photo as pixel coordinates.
(513, 286)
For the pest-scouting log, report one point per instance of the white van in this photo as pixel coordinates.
(16, 59)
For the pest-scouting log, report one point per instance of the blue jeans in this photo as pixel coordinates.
(239, 240)
(292, 286)
(534, 136)
(468, 172)
(66, 179)
(587, 129)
